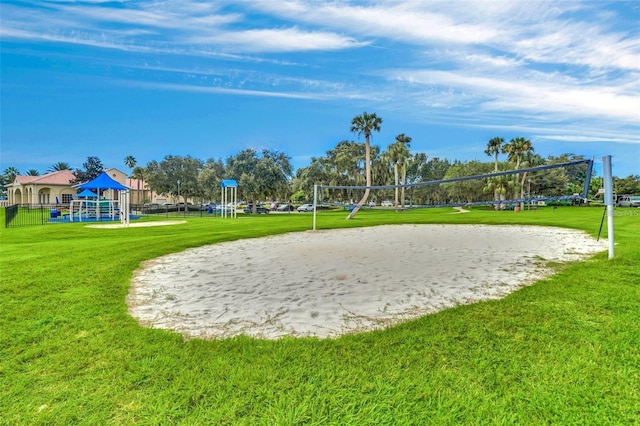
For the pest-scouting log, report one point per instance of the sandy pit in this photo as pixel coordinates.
(334, 282)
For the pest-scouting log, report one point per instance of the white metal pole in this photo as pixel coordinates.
(608, 200)
(315, 204)
(223, 196)
(127, 210)
(235, 201)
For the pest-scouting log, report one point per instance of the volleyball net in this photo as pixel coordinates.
(566, 183)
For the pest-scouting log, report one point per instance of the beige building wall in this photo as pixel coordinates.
(46, 189)
(55, 187)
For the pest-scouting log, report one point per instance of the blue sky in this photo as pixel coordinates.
(208, 79)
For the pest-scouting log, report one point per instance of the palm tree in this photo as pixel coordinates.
(529, 159)
(398, 155)
(138, 174)
(363, 125)
(493, 148)
(393, 156)
(60, 165)
(406, 161)
(500, 185)
(130, 162)
(516, 149)
(404, 141)
(33, 172)
(10, 174)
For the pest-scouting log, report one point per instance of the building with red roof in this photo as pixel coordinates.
(56, 187)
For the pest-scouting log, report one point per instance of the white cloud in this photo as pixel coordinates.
(587, 138)
(480, 63)
(277, 40)
(580, 44)
(221, 90)
(537, 31)
(411, 22)
(531, 94)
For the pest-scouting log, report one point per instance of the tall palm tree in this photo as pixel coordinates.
(138, 174)
(363, 125)
(60, 165)
(130, 162)
(394, 156)
(404, 141)
(515, 150)
(494, 147)
(398, 155)
(529, 159)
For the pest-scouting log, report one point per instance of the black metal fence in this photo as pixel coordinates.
(19, 215)
(173, 210)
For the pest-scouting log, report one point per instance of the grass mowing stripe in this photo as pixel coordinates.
(561, 351)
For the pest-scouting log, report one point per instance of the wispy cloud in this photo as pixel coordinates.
(187, 27)
(541, 32)
(221, 90)
(528, 92)
(277, 40)
(563, 71)
(594, 139)
(405, 21)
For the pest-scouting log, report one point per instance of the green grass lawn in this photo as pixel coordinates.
(564, 351)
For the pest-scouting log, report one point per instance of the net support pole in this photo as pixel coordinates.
(315, 204)
(608, 200)
(587, 180)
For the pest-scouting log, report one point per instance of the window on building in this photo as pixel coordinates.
(66, 198)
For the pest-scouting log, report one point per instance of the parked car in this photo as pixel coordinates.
(285, 208)
(208, 207)
(386, 204)
(224, 209)
(629, 201)
(305, 208)
(183, 207)
(259, 209)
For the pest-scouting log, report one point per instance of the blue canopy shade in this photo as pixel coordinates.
(86, 194)
(229, 183)
(103, 181)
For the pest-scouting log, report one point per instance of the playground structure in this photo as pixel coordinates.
(92, 210)
(89, 206)
(85, 210)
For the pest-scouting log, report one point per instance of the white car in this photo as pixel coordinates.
(386, 204)
(629, 201)
(305, 208)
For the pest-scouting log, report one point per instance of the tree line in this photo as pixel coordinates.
(268, 175)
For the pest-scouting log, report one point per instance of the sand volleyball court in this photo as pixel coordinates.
(333, 282)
